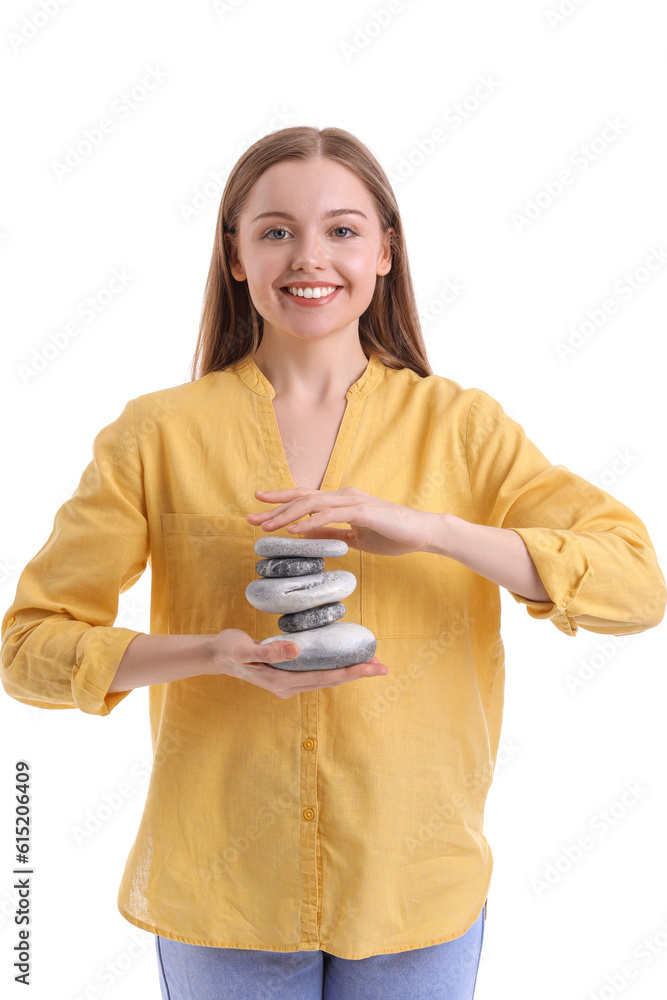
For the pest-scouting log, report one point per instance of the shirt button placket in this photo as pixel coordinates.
(310, 915)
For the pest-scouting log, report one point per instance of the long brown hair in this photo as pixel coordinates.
(230, 326)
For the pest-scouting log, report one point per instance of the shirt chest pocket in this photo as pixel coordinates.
(210, 562)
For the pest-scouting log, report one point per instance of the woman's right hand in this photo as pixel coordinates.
(238, 655)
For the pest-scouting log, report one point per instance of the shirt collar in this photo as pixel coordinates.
(258, 382)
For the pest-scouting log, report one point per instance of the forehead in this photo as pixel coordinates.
(305, 186)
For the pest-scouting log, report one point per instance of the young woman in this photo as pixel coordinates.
(304, 836)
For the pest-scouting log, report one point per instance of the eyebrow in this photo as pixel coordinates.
(327, 215)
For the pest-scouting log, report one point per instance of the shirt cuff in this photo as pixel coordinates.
(98, 653)
(563, 566)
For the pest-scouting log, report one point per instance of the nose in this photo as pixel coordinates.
(309, 252)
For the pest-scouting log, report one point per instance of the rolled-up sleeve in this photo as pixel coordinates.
(60, 648)
(592, 553)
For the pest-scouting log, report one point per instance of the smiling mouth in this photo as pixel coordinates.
(309, 288)
(302, 298)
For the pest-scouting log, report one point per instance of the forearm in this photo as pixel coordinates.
(154, 659)
(499, 554)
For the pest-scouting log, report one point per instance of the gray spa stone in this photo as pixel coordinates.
(312, 618)
(290, 566)
(341, 644)
(280, 545)
(298, 593)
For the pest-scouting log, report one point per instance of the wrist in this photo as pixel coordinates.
(440, 532)
(211, 654)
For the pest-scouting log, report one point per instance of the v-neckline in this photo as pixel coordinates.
(280, 447)
(279, 470)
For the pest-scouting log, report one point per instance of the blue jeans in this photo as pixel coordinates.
(441, 972)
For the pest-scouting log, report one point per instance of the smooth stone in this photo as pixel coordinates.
(339, 645)
(298, 593)
(290, 566)
(312, 618)
(280, 545)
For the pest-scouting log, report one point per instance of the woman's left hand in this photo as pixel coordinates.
(377, 526)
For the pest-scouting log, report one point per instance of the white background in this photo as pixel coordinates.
(230, 74)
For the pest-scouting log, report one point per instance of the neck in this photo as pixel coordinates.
(314, 373)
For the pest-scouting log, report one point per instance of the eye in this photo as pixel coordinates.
(275, 229)
(280, 229)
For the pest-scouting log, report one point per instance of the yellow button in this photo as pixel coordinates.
(308, 813)
(308, 744)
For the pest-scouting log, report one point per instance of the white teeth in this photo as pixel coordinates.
(312, 293)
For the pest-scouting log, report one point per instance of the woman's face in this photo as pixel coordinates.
(318, 225)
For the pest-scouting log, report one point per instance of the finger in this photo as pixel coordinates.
(281, 508)
(278, 496)
(322, 517)
(261, 517)
(304, 528)
(302, 493)
(279, 492)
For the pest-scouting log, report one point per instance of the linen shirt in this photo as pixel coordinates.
(348, 819)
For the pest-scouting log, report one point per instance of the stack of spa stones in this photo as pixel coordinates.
(307, 597)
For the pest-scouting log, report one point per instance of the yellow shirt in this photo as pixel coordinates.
(347, 819)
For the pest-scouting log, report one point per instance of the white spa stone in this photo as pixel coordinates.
(279, 545)
(340, 644)
(282, 594)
